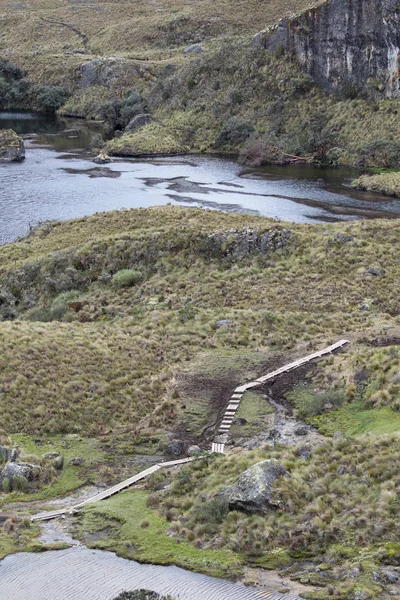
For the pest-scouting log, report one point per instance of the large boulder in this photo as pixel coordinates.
(11, 146)
(138, 122)
(22, 469)
(176, 448)
(252, 490)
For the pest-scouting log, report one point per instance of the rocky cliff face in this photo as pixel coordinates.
(345, 45)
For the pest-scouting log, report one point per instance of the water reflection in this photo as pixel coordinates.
(57, 180)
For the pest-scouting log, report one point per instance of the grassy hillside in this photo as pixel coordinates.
(111, 346)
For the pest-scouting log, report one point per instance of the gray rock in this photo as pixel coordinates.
(11, 470)
(344, 239)
(375, 272)
(102, 158)
(192, 450)
(51, 455)
(304, 452)
(391, 577)
(12, 147)
(138, 122)
(359, 595)
(240, 421)
(301, 430)
(176, 448)
(376, 576)
(77, 461)
(224, 323)
(358, 39)
(194, 49)
(252, 490)
(109, 72)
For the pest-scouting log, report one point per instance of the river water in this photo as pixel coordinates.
(58, 180)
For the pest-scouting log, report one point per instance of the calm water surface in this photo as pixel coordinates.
(58, 180)
(83, 574)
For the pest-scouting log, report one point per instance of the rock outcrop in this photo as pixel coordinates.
(138, 122)
(347, 46)
(12, 147)
(252, 490)
(22, 470)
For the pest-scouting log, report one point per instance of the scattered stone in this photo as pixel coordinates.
(176, 448)
(344, 239)
(12, 147)
(359, 595)
(192, 450)
(301, 430)
(304, 452)
(375, 272)
(224, 323)
(337, 435)
(376, 576)
(100, 484)
(240, 421)
(77, 461)
(51, 455)
(252, 490)
(102, 158)
(391, 577)
(194, 49)
(138, 122)
(341, 470)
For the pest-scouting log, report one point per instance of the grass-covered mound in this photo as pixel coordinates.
(335, 526)
(99, 355)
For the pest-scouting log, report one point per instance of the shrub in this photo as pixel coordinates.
(20, 483)
(382, 153)
(6, 485)
(127, 277)
(61, 301)
(308, 404)
(213, 512)
(234, 132)
(118, 113)
(49, 98)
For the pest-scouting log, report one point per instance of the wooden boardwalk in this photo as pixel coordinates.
(46, 516)
(219, 444)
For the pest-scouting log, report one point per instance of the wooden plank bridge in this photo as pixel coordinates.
(123, 485)
(219, 444)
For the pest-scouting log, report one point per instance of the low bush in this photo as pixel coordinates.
(127, 277)
(309, 404)
(234, 132)
(118, 113)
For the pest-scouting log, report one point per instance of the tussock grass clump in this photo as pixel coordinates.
(127, 277)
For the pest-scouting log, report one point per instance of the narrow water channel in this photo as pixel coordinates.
(58, 181)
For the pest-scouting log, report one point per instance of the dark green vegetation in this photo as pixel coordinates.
(17, 91)
(232, 97)
(115, 319)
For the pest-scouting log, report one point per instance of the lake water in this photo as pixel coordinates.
(58, 180)
(83, 574)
